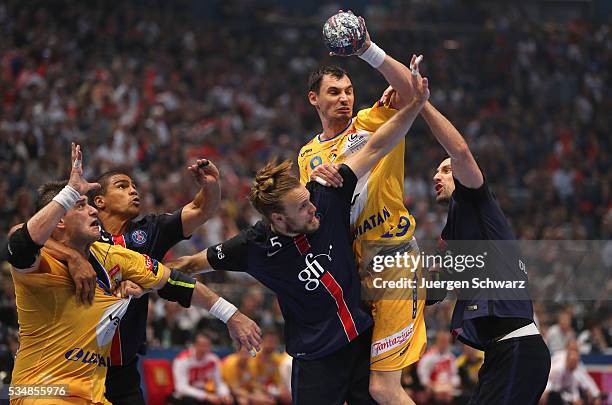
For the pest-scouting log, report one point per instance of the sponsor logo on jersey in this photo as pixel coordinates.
(356, 141)
(107, 325)
(391, 342)
(314, 270)
(151, 264)
(139, 237)
(372, 222)
(86, 357)
(115, 274)
(305, 151)
(220, 254)
(114, 270)
(315, 161)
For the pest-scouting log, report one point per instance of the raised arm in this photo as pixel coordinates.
(391, 132)
(26, 241)
(42, 224)
(396, 73)
(206, 201)
(463, 164)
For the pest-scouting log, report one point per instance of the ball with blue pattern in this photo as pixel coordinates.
(344, 34)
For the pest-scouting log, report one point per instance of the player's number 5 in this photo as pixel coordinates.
(274, 242)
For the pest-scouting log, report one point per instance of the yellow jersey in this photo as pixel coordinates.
(266, 371)
(63, 342)
(237, 374)
(378, 211)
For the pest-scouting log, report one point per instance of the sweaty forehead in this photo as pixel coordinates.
(331, 81)
(446, 163)
(297, 196)
(116, 178)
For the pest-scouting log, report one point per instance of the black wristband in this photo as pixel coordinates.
(179, 288)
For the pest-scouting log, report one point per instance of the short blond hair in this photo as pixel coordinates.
(270, 186)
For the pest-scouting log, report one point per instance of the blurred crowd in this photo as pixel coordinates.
(151, 85)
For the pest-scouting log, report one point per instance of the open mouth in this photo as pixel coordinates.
(95, 223)
(136, 201)
(439, 188)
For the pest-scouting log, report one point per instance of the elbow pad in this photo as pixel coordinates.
(21, 250)
(179, 288)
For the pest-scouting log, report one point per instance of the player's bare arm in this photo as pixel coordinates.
(241, 328)
(396, 73)
(391, 132)
(463, 164)
(80, 269)
(191, 265)
(31, 236)
(42, 224)
(206, 201)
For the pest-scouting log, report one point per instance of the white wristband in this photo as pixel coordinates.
(67, 197)
(374, 55)
(223, 310)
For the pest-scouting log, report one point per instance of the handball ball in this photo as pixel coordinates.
(344, 34)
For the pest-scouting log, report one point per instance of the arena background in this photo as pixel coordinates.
(151, 85)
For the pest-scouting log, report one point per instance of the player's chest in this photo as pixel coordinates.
(340, 149)
(306, 267)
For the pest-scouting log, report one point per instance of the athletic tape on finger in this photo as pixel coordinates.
(321, 181)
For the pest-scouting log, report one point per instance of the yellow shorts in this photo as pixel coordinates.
(397, 304)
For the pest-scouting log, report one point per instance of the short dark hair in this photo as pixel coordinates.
(315, 78)
(48, 191)
(104, 179)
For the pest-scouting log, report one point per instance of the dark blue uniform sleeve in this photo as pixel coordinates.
(345, 193)
(230, 255)
(492, 222)
(170, 228)
(474, 195)
(349, 183)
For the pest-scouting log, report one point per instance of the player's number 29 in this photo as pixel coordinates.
(402, 227)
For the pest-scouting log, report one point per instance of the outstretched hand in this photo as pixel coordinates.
(204, 172)
(327, 174)
(419, 84)
(245, 332)
(77, 181)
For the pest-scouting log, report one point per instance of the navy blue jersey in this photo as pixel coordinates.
(314, 275)
(153, 235)
(474, 215)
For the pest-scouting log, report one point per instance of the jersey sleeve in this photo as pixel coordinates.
(474, 195)
(345, 193)
(230, 255)
(303, 165)
(370, 119)
(491, 219)
(139, 268)
(348, 184)
(170, 228)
